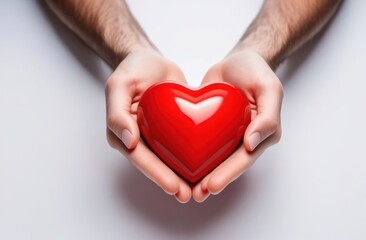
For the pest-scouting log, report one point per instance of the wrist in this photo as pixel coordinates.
(271, 57)
(118, 52)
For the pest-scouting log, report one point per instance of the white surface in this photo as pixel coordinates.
(60, 180)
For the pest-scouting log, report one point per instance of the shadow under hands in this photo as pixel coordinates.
(162, 210)
(85, 56)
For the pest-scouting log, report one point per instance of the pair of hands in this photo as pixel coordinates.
(244, 69)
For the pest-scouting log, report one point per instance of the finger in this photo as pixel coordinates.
(228, 171)
(119, 95)
(199, 194)
(267, 120)
(151, 166)
(232, 168)
(185, 193)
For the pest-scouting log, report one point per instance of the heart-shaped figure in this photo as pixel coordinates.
(193, 131)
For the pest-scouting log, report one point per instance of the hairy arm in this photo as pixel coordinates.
(107, 27)
(282, 26)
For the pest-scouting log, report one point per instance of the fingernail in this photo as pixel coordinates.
(126, 138)
(254, 140)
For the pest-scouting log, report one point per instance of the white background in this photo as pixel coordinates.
(60, 180)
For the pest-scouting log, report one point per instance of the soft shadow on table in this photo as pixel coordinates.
(85, 56)
(162, 210)
(139, 192)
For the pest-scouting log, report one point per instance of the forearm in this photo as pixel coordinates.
(282, 26)
(107, 26)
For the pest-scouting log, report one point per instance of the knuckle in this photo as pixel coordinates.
(277, 136)
(113, 121)
(278, 87)
(271, 83)
(110, 84)
(273, 125)
(216, 184)
(116, 81)
(169, 186)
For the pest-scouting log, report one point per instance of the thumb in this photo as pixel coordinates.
(125, 128)
(261, 128)
(267, 120)
(119, 118)
(212, 75)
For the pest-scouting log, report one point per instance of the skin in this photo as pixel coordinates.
(280, 28)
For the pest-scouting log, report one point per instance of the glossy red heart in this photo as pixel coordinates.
(193, 131)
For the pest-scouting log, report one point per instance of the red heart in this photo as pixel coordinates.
(193, 131)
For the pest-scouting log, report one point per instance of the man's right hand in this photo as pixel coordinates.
(124, 88)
